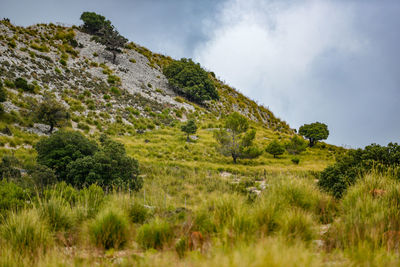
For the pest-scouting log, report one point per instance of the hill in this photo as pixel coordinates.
(195, 206)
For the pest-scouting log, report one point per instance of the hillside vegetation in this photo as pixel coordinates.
(125, 157)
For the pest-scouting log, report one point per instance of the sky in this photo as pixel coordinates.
(332, 61)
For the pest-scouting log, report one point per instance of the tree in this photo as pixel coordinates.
(111, 38)
(189, 128)
(274, 148)
(235, 140)
(92, 22)
(61, 148)
(51, 112)
(314, 132)
(105, 33)
(109, 166)
(190, 80)
(296, 145)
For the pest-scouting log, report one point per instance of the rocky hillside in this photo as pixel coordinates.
(133, 92)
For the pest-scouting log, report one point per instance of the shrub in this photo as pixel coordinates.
(155, 234)
(42, 176)
(349, 167)
(138, 213)
(12, 196)
(25, 232)
(57, 212)
(62, 148)
(296, 223)
(21, 83)
(109, 229)
(51, 112)
(296, 145)
(3, 94)
(190, 80)
(296, 160)
(132, 60)
(275, 148)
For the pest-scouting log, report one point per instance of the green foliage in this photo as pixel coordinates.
(296, 145)
(12, 196)
(314, 132)
(57, 212)
(138, 213)
(92, 22)
(42, 176)
(62, 148)
(190, 80)
(109, 166)
(235, 140)
(21, 83)
(155, 234)
(109, 229)
(275, 148)
(189, 128)
(338, 177)
(51, 112)
(296, 160)
(9, 167)
(25, 232)
(3, 94)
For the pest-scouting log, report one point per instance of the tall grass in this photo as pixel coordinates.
(369, 213)
(26, 233)
(109, 229)
(155, 234)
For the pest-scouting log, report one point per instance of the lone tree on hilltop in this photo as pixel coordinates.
(51, 112)
(105, 33)
(274, 148)
(189, 128)
(113, 41)
(93, 23)
(235, 140)
(314, 132)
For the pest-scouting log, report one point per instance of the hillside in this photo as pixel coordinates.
(192, 205)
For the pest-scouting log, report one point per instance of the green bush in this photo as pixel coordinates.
(12, 197)
(296, 145)
(25, 232)
(297, 224)
(109, 229)
(138, 213)
(155, 234)
(58, 213)
(190, 80)
(275, 148)
(3, 94)
(21, 83)
(349, 167)
(296, 160)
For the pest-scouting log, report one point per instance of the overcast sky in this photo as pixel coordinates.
(336, 62)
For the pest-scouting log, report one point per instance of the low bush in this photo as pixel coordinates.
(109, 229)
(138, 213)
(57, 212)
(12, 196)
(155, 234)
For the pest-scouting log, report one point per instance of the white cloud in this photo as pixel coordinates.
(270, 51)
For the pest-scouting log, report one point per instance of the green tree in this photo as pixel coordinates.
(93, 22)
(235, 140)
(51, 112)
(189, 128)
(190, 80)
(296, 145)
(9, 167)
(314, 132)
(21, 83)
(111, 38)
(109, 166)
(62, 148)
(275, 148)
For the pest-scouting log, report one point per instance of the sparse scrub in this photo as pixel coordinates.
(155, 234)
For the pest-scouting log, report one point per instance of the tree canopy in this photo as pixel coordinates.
(314, 132)
(51, 112)
(235, 140)
(105, 33)
(81, 162)
(190, 80)
(189, 128)
(275, 148)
